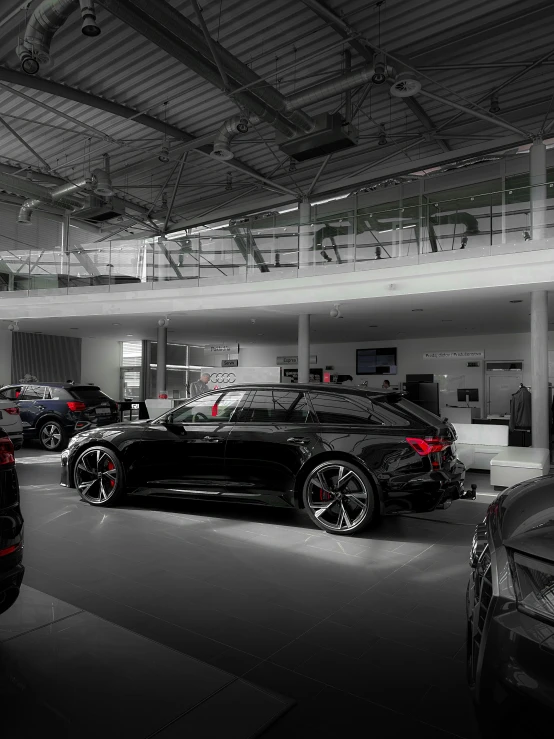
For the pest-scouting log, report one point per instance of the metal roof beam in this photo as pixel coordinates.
(100, 103)
(341, 27)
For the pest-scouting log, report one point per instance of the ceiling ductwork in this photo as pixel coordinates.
(229, 129)
(98, 181)
(45, 21)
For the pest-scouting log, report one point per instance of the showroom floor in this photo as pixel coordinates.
(160, 618)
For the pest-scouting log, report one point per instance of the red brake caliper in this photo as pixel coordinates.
(111, 466)
(324, 495)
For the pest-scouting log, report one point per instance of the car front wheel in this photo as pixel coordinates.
(99, 476)
(339, 498)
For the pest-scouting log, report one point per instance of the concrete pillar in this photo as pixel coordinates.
(161, 361)
(304, 348)
(537, 171)
(540, 397)
(305, 237)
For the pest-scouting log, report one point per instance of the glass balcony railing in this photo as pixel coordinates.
(364, 238)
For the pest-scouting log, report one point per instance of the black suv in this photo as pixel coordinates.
(344, 455)
(52, 412)
(11, 527)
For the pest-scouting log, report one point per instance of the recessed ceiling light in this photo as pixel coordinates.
(129, 334)
(73, 329)
(374, 327)
(260, 334)
(116, 324)
(417, 310)
(446, 320)
(516, 301)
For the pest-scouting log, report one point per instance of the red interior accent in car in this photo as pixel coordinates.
(214, 410)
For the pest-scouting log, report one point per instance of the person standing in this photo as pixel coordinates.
(200, 386)
(385, 385)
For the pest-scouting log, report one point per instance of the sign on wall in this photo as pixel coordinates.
(227, 377)
(454, 355)
(221, 349)
(316, 375)
(283, 361)
(229, 362)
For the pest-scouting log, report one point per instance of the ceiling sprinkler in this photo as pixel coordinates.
(335, 311)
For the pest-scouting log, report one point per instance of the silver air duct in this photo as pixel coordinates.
(46, 20)
(229, 129)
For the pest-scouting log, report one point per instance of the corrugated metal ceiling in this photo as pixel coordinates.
(123, 66)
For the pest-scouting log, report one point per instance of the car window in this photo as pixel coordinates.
(11, 393)
(213, 408)
(275, 406)
(338, 409)
(88, 393)
(31, 392)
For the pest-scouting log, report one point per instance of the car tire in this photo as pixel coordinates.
(339, 497)
(98, 475)
(52, 436)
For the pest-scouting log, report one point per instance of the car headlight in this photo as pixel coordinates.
(534, 585)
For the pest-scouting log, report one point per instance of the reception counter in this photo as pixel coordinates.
(460, 414)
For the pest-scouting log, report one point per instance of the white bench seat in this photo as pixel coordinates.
(517, 464)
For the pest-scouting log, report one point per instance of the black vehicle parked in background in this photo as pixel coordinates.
(510, 608)
(11, 527)
(343, 454)
(53, 412)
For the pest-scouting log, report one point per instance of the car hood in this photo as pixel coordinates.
(525, 517)
(105, 432)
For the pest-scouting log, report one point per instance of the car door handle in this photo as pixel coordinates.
(213, 439)
(298, 440)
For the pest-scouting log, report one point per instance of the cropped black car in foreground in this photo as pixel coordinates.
(345, 455)
(53, 412)
(510, 603)
(11, 527)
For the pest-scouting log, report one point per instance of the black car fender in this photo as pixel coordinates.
(48, 416)
(313, 462)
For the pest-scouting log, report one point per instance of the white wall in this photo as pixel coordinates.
(5, 357)
(100, 363)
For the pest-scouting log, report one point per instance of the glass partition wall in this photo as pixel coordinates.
(349, 235)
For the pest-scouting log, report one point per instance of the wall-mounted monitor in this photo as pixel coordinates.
(376, 361)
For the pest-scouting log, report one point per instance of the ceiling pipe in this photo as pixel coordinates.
(229, 129)
(43, 24)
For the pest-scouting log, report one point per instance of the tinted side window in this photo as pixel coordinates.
(31, 392)
(215, 408)
(11, 393)
(88, 393)
(341, 410)
(274, 406)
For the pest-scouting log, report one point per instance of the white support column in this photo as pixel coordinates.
(305, 238)
(537, 171)
(304, 348)
(161, 361)
(540, 400)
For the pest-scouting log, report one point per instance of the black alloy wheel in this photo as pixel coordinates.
(52, 436)
(99, 477)
(339, 498)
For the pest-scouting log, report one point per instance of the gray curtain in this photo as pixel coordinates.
(48, 358)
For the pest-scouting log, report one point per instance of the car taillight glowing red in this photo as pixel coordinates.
(76, 406)
(9, 550)
(429, 445)
(12, 411)
(6, 451)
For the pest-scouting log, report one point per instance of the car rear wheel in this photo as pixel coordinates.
(52, 436)
(339, 498)
(99, 476)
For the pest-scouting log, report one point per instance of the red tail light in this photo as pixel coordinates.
(9, 550)
(12, 411)
(6, 451)
(429, 445)
(74, 405)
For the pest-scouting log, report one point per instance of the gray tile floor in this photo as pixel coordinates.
(369, 628)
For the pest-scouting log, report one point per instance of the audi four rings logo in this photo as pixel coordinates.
(223, 377)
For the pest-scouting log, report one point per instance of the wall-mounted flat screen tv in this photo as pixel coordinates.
(376, 361)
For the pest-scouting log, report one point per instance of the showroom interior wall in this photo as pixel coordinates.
(100, 364)
(5, 356)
